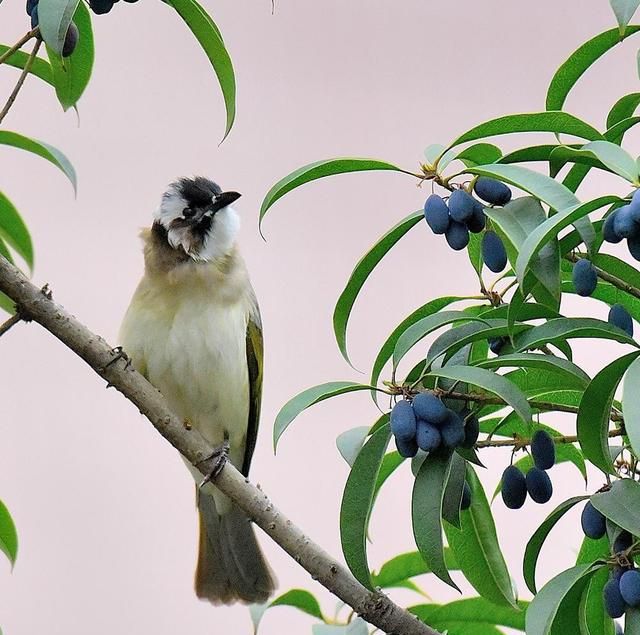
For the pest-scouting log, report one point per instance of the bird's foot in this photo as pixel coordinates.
(118, 353)
(221, 456)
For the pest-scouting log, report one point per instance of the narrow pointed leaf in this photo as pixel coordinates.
(357, 502)
(594, 415)
(8, 534)
(300, 599)
(350, 442)
(360, 274)
(207, 33)
(601, 154)
(476, 549)
(479, 154)
(54, 18)
(40, 68)
(453, 491)
(319, 170)
(532, 550)
(594, 619)
(624, 10)
(407, 565)
(14, 231)
(623, 108)
(630, 405)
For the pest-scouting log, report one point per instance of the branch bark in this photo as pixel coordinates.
(374, 607)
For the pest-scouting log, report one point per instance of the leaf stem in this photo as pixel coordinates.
(21, 79)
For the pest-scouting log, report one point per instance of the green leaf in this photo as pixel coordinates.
(350, 442)
(490, 381)
(560, 329)
(405, 566)
(40, 68)
(550, 229)
(594, 620)
(564, 367)
(556, 122)
(630, 405)
(597, 153)
(54, 19)
(621, 504)
(357, 501)
(474, 251)
(547, 604)
(532, 153)
(623, 108)
(360, 274)
(386, 351)
(70, 75)
(479, 154)
(310, 397)
(300, 599)
(632, 622)
(578, 62)
(207, 33)
(532, 550)
(14, 231)
(319, 170)
(470, 611)
(595, 409)
(390, 463)
(8, 535)
(624, 10)
(42, 149)
(453, 491)
(426, 513)
(476, 549)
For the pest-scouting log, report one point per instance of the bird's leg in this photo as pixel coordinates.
(118, 353)
(221, 455)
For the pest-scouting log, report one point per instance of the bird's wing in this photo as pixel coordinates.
(255, 359)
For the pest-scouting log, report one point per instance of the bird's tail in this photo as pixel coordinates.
(231, 567)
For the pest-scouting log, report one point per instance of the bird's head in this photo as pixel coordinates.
(195, 216)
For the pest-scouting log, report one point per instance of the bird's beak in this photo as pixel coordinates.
(224, 199)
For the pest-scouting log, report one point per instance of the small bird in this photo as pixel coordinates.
(193, 329)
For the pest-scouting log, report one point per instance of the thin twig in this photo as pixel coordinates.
(23, 76)
(18, 45)
(522, 442)
(607, 277)
(12, 321)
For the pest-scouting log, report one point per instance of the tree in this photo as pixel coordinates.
(500, 364)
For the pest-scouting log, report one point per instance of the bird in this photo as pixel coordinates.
(193, 329)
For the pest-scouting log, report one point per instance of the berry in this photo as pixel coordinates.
(624, 225)
(514, 487)
(406, 448)
(613, 601)
(496, 344)
(471, 431)
(70, 40)
(594, 524)
(465, 503)
(492, 191)
(630, 587)
(543, 450)
(608, 229)
(478, 219)
(34, 17)
(622, 542)
(494, 253)
(633, 244)
(100, 7)
(31, 5)
(428, 407)
(461, 205)
(457, 235)
(584, 277)
(403, 421)
(427, 436)
(619, 316)
(452, 430)
(436, 213)
(539, 485)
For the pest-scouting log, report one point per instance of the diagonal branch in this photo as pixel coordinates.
(375, 607)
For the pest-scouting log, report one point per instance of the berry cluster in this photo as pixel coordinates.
(100, 7)
(427, 424)
(462, 214)
(623, 223)
(515, 485)
(72, 36)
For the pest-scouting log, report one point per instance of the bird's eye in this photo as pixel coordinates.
(188, 212)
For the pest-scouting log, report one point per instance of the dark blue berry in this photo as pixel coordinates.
(465, 503)
(613, 601)
(457, 235)
(630, 587)
(492, 191)
(633, 244)
(543, 450)
(539, 485)
(31, 5)
(428, 407)
(478, 219)
(427, 436)
(461, 205)
(70, 40)
(100, 7)
(436, 213)
(494, 253)
(407, 448)
(584, 277)
(622, 542)
(452, 430)
(514, 487)
(619, 316)
(471, 431)
(34, 17)
(608, 229)
(496, 344)
(403, 421)
(624, 224)
(594, 524)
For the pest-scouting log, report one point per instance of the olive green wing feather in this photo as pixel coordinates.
(255, 359)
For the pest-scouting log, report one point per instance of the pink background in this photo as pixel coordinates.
(104, 507)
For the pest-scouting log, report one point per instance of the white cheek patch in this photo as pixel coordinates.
(221, 237)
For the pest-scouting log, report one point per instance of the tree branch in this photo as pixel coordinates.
(23, 76)
(375, 607)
